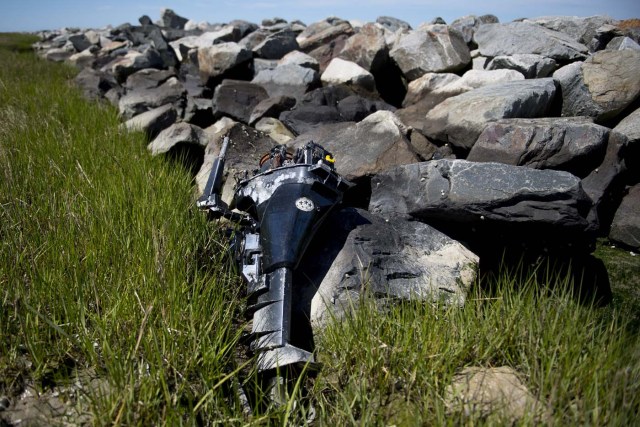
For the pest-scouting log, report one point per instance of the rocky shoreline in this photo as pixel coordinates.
(518, 138)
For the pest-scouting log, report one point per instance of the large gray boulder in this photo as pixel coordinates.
(356, 252)
(521, 37)
(581, 29)
(467, 25)
(574, 144)
(139, 101)
(237, 99)
(323, 32)
(288, 80)
(532, 66)
(502, 203)
(367, 48)
(218, 61)
(625, 228)
(153, 121)
(170, 19)
(601, 87)
(474, 79)
(460, 120)
(340, 71)
(430, 49)
(377, 143)
(419, 88)
(277, 45)
(133, 61)
(178, 134)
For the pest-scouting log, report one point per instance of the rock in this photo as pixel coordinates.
(260, 64)
(377, 143)
(393, 24)
(467, 25)
(277, 45)
(479, 393)
(605, 183)
(575, 144)
(177, 134)
(355, 108)
(367, 48)
(275, 129)
(80, 42)
(622, 43)
(199, 112)
(522, 37)
(348, 73)
(237, 99)
(168, 18)
(151, 35)
(580, 29)
(288, 80)
(134, 61)
(58, 54)
(139, 101)
(221, 61)
(420, 144)
(252, 40)
(431, 49)
(152, 122)
(354, 250)
(322, 33)
(460, 120)
(147, 78)
(271, 107)
(500, 203)
(84, 59)
(474, 79)
(630, 127)
(302, 59)
(531, 65)
(625, 228)
(94, 83)
(419, 88)
(227, 34)
(601, 87)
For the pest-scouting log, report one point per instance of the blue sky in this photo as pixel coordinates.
(33, 15)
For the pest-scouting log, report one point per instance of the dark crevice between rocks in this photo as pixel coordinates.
(390, 83)
(188, 156)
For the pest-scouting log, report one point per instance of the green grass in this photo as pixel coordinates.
(107, 269)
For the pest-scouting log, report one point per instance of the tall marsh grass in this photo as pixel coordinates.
(106, 268)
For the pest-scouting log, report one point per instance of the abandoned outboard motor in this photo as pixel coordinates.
(281, 206)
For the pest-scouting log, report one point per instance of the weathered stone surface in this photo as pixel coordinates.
(460, 120)
(139, 101)
(367, 48)
(462, 191)
(581, 29)
(237, 99)
(219, 60)
(622, 43)
(355, 108)
(431, 49)
(377, 143)
(134, 61)
(95, 83)
(474, 79)
(178, 133)
(277, 45)
(349, 73)
(151, 35)
(419, 88)
(602, 86)
(153, 121)
(302, 59)
(80, 42)
(168, 18)
(288, 80)
(530, 65)
(271, 107)
(575, 145)
(630, 127)
(521, 37)
(323, 32)
(275, 129)
(326, 52)
(497, 393)
(403, 260)
(147, 79)
(625, 228)
(467, 25)
(605, 183)
(393, 24)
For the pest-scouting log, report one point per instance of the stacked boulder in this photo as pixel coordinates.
(517, 135)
